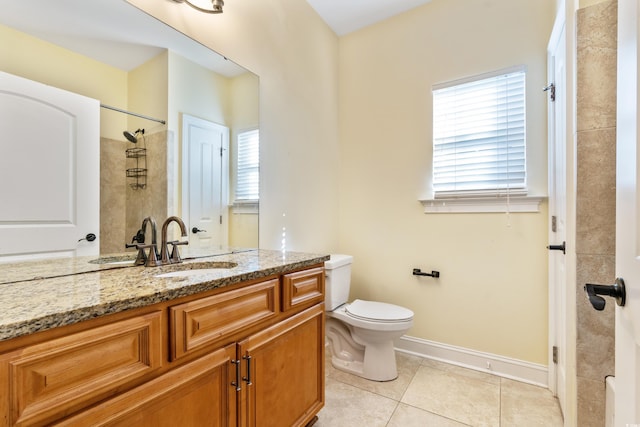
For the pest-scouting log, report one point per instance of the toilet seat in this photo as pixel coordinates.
(378, 311)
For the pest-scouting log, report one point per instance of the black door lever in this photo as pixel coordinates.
(616, 291)
(562, 247)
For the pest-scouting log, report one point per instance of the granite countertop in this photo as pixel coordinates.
(61, 292)
(55, 267)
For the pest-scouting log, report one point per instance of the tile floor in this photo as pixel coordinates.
(433, 394)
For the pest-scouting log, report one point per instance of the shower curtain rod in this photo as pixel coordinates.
(133, 114)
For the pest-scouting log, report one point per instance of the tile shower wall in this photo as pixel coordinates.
(123, 208)
(112, 195)
(152, 200)
(596, 208)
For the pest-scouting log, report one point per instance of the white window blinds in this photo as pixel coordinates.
(479, 136)
(248, 166)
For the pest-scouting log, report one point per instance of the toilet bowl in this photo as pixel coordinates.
(361, 333)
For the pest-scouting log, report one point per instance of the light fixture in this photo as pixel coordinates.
(216, 6)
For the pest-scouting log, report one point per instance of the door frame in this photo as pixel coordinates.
(566, 9)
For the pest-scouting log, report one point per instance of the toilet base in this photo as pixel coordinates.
(375, 361)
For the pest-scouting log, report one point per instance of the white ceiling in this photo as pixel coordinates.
(110, 31)
(113, 32)
(345, 16)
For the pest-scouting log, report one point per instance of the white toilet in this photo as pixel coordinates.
(361, 333)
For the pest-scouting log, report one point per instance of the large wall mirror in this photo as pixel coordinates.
(111, 51)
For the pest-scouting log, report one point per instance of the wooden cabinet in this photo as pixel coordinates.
(252, 355)
(302, 288)
(196, 394)
(49, 380)
(284, 372)
(206, 321)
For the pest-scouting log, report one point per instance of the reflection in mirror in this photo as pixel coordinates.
(111, 51)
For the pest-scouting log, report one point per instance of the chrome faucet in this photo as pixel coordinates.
(175, 255)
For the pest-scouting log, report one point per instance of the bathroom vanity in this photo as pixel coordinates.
(231, 340)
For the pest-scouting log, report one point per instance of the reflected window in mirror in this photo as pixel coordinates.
(247, 191)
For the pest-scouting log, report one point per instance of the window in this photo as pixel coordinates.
(479, 136)
(248, 167)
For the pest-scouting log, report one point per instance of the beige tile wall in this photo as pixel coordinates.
(596, 180)
(112, 195)
(121, 207)
(152, 200)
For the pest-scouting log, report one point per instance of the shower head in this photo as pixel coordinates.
(132, 137)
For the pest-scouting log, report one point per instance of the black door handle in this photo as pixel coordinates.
(617, 291)
(196, 230)
(89, 238)
(562, 247)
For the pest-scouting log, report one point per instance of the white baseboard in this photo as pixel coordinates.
(506, 367)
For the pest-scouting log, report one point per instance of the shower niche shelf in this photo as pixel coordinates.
(139, 172)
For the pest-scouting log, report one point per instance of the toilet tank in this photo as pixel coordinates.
(338, 281)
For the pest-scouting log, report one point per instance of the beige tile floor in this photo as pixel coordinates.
(434, 394)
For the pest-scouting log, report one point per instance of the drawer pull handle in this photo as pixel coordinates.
(247, 379)
(236, 383)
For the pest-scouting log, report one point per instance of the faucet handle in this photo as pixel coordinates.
(152, 259)
(141, 259)
(175, 254)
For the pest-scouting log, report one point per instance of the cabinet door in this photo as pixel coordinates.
(50, 380)
(197, 394)
(283, 371)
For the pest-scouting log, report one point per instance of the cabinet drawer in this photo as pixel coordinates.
(206, 320)
(302, 288)
(58, 377)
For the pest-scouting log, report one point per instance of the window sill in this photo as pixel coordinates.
(245, 207)
(483, 204)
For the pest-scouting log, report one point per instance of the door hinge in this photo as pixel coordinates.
(220, 219)
(554, 226)
(555, 354)
(552, 88)
(220, 151)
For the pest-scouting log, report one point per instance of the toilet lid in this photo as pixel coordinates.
(380, 311)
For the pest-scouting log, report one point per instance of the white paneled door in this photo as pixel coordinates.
(49, 171)
(556, 92)
(205, 181)
(627, 406)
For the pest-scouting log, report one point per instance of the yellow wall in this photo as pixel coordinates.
(148, 94)
(295, 55)
(196, 91)
(492, 293)
(245, 89)
(32, 58)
